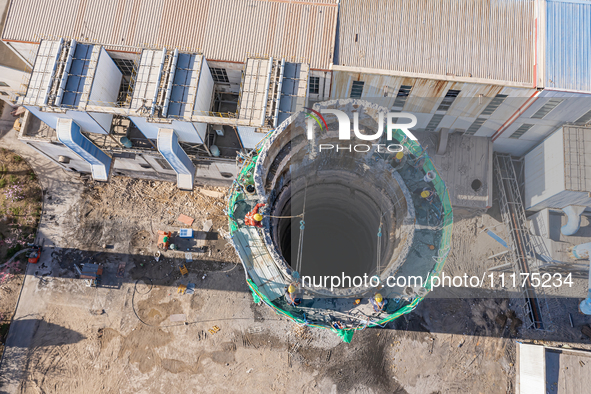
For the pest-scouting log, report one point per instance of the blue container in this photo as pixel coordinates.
(186, 233)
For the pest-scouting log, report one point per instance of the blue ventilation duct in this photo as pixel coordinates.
(168, 146)
(68, 133)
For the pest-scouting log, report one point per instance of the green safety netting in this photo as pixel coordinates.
(346, 334)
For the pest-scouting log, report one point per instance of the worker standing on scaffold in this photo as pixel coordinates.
(426, 192)
(398, 159)
(291, 297)
(254, 218)
(378, 302)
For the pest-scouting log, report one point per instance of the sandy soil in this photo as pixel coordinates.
(91, 340)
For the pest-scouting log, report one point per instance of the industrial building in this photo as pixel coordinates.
(511, 71)
(14, 71)
(501, 93)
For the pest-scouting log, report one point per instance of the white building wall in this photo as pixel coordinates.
(427, 94)
(149, 130)
(106, 81)
(544, 171)
(234, 72)
(56, 149)
(204, 90)
(16, 80)
(26, 51)
(186, 132)
(573, 106)
(87, 122)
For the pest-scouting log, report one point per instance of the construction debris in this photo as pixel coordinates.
(184, 270)
(121, 270)
(186, 219)
(164, 239)
(91, 273)
(207, 224)
(211, 193)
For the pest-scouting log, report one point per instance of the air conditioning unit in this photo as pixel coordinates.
(219, 130)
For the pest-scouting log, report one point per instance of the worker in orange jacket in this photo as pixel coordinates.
(254, 218)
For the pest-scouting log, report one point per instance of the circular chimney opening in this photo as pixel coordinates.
(341, 224)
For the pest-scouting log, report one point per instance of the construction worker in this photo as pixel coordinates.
(291, 296)
(338, 325)
(378, 302)
(427, 193)
(254, 218)
(397, 159)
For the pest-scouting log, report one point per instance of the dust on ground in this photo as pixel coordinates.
(139, 333)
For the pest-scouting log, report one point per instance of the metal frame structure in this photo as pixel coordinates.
(521, 246)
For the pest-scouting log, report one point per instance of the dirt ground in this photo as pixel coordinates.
(139, 334)
(20, 209)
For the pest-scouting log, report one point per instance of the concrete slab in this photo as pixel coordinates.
(466, 167)
(61, 191)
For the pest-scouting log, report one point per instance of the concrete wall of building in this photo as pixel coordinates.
(324, 79)
(54, 150)
(25, 50)
(544, 171)
(427, 94)
(216, 171)
(571, 109)
(234, 72)
(519, 107)
(13, 83)
(152, 165)
(551, 175)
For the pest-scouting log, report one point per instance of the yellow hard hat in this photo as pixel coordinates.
(425, 193)
(399, 155)
(258, 217)
(378, 297)
(291, 289)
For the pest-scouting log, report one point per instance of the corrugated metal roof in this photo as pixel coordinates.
(568, 45)
(490, 40)
(227, 30)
